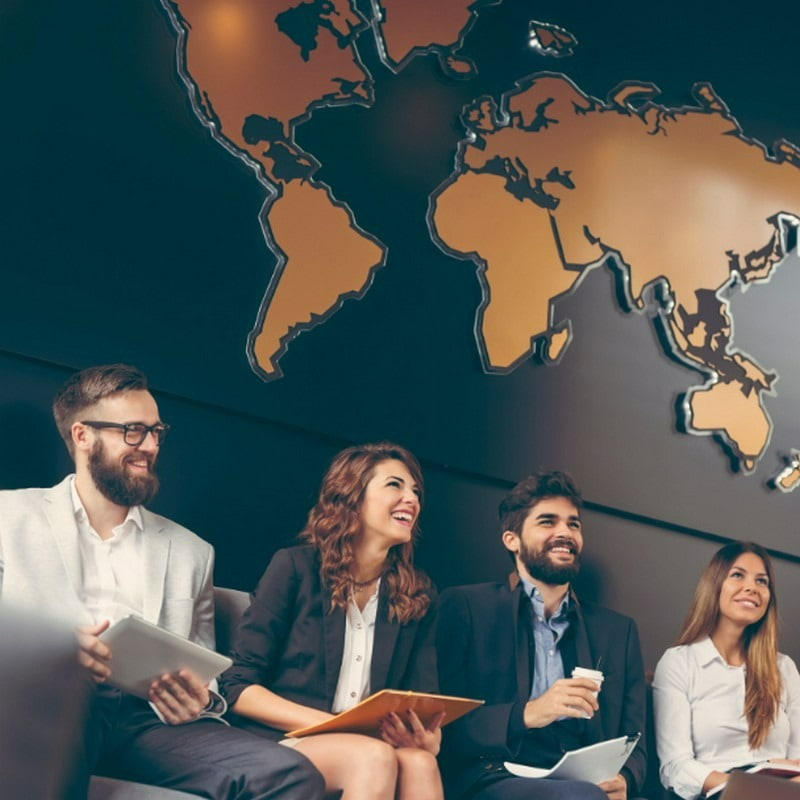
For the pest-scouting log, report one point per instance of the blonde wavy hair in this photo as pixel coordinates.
(335, 521)
(760, 641)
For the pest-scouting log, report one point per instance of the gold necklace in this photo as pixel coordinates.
(361, 585)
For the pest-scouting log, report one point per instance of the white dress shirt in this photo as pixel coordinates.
(699, 715)
(359, 636)
(113, 583)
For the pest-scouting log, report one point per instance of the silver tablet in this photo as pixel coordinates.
(142, 652)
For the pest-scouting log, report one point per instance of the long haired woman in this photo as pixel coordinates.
(724, 696)
(342, 616)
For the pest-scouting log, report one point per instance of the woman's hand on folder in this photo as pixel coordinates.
(411, 732)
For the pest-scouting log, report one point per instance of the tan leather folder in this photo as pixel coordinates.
(364, 717)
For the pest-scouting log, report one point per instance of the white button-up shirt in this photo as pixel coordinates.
(112, 584)
(112, 571)
(359, 636)
(699, 713)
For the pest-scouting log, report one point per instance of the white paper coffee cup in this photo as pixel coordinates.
(593, 675)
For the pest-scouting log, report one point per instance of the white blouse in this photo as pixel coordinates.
(699, 716)
(359, 636)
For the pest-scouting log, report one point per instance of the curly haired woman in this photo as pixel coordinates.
(343, 616)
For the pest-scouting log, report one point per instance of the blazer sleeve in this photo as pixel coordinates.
(264, 628)
(203, 618)
(2, 565)
(485, 731)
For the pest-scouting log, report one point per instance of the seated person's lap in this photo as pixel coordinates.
(540, 789)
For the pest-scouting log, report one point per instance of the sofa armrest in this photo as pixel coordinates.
(229, 605)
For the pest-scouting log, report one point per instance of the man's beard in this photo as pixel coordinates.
(541, 568)
(116, 484)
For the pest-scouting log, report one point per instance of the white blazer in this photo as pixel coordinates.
(40, 564)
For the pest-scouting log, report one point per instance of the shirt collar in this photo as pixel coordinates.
(706, 652)
(133, 516)
(538, 602)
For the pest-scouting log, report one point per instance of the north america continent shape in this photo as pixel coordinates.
(255, 70)
(552, 182)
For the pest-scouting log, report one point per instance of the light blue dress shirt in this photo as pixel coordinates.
(548, 666)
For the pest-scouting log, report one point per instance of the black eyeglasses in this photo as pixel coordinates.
(134, 433)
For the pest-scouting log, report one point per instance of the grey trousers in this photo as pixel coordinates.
(125, 740)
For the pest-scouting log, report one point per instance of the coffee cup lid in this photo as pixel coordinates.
(585, 672)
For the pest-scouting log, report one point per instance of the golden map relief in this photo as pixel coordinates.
(553, 183)
(406, 27)
(257, 68)
(549, 184)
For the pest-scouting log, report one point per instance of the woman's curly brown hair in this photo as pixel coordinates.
(335, 521)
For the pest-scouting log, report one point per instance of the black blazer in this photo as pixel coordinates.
(485, 649)
(292, 643)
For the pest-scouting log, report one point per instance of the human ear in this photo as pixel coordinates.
(81, 438)
(511, 541)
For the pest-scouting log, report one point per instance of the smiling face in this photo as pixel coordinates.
(745, 594)
(123, 473)
(548, 548)
(391, 505)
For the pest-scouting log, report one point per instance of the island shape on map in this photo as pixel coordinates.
(552, 182)
(788, 479)
(255, 69)
(407, 28)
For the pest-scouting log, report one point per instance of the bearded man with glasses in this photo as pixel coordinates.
(87, 551)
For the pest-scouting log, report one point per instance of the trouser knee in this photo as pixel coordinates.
(283, 773)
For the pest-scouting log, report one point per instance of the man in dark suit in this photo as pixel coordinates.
(516, 643)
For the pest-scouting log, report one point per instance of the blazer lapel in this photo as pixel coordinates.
(155, 555)
(523, 636)
(386, 633)
(61, 517)
(334, 626)
(594, 726)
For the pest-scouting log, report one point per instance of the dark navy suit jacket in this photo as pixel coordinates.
(292, 643)
(485, 650)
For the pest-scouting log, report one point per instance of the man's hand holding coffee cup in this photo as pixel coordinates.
(567, 697)
(593, 675)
